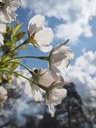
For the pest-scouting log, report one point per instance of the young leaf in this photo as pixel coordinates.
(5, 59)
(23, 47)
(20, 36)
(0, 80)
(17, 29)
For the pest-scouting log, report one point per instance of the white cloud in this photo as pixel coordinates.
(87, 62)
(74, 30)
(24, 3)
(83, 74)
(77, 15)
(70, 31)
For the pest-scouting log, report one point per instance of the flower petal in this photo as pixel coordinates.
(51, 109)
(44, 36)
(56, 73)
(46, 48)
(35, 23)
(15, 4)
(36, 92)
(46, 79)
(2, 28)
(64, 50)
(61, 56)
(7, 14)
(27, 90)
(1, 40)
(56, 95)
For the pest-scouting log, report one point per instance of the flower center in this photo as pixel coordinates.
(36, 71)
(2, 5)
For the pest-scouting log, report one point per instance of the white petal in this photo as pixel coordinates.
(3, 94)
(1, 40)
(46, 48)
(56, 73)
(27, 90)
(44, 36)
(7, 13)
(61, 56)
(64, 50)
(38, 96)
(2, 28)
(57, 95)
(15, 4)
(46, 79)
(35, 23)
(51, 109)
(36, 92)
(4, 19)
(58, 57)
(62, 64)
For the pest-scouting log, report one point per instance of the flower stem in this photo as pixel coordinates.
(14, 49)
(41, 86)
(36, 57)
(32, 73)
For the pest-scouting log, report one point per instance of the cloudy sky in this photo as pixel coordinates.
(69, 19)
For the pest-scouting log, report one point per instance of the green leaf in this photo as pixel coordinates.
(5, 69)
(20, 36)
(8, 78)
(15, 65)
(5, 59)
(9, 29)
(17, 29)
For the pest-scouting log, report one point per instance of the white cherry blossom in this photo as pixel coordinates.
(2, 30)
(42, 35)
(54, 91)
(3, 95)
(55, 96)
(60, 57)
(8, 10)
(39, 78)
(1, 39)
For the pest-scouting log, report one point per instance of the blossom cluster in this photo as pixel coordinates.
(45, 84)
